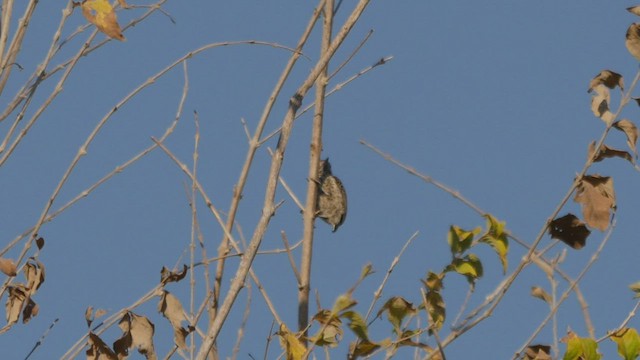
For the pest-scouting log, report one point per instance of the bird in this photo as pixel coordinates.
(331, 204)
(632, 41)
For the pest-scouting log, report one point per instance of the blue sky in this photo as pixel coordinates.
(490, 100)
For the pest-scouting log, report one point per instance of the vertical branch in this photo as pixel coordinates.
(314, 160)
(254, 143)
(268, 207)
(194, 225)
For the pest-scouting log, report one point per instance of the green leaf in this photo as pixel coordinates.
(434, 281)
(330, 331)
(343, 302)
(357, 324)
(581, 349)
(497, 238)
(460, 240)
(363, 348)
(436, 310)
(397, 308)
(469, 266)
(366, 271)
(628, 343)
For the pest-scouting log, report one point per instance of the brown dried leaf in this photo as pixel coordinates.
(570, 230)
(597, 197)
(15, 303)
(88, 315)
(172, 309)
(540, 293)
(142, 333)
(29, 311)
(34, 273)
(180, 336)
(600, 103)
(167, 276)
(100, 313)
(537, 352)
(631, 131)
(632, 41)
(40, 243)
(8, 267)
(101, 14)
(635, 10)
(608, 152)
(123, 4)
(98, 350)
(607, 78)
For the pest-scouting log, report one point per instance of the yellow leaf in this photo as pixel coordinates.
(291, 344)
(101, 14)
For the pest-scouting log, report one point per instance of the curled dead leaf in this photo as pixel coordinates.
(607, 78)
(40, 243)
(631, 131)
(8, 267)
(98, 350)
(635, 10)
(537, 352)
(596, 195)
(570, 230)
(632, 41)
(540, 293)
(606, 152)
(15, 303)
(167, 276)
(137, 333)
(34, 273)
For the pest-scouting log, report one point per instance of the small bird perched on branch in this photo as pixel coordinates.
(332, 198)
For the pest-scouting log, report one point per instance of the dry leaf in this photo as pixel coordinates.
(537, 352)
(137, 333)
(631, 131)
(570, 230)
(635, 10)
(597, 197)
(172, 309)
(292, 346)
(8, 267)
(607, 78)
(34, 272)
(88, 315)
(15, 303)
(40, 243)
(98, 350)
(167, 276)
(632, 41)
(607, 152)
(29, 311)
(101, 14)
(600, 103)
(123, 4)
(540, 293)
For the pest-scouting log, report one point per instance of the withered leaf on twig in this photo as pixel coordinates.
(631, 131)
(608, 152)
(570, 230)
(607, 78)
(596, 195)
(167, 276)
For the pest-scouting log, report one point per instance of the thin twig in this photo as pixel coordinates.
(294, 268)
(276, 165)
(568, 291)
(254, 144)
